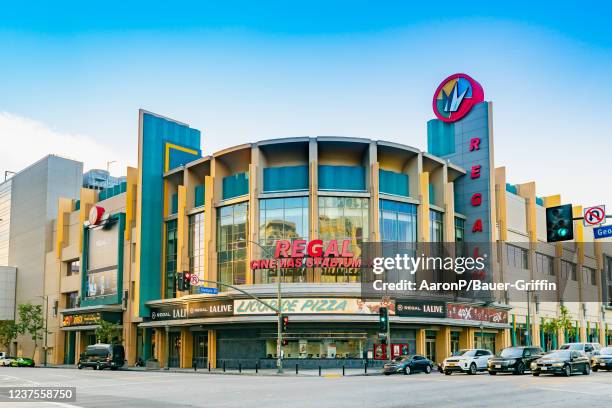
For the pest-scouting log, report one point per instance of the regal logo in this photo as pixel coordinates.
(455, 97)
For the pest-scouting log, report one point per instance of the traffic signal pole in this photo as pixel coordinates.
(388, 336)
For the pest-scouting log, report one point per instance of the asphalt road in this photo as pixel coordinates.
(167, 389)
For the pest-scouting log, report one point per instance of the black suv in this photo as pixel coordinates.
(100, 356)
(514, 360)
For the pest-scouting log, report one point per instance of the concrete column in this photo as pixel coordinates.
(186, 348)
(212, 348)
(420, 341)
(443, 349)
(129, 337)
(502, 340)
(466, 338)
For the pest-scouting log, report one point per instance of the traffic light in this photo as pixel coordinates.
(186, 281)
(559, 223)
(383, 315)
(180, 281)
(285, 320)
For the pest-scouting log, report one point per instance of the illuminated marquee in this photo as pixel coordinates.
(309, 254)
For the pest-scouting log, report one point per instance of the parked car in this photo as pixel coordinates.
(6, 361)
(467, 361)
(514, 360)
(603, 360)
(408, 365)
(22, 362)
(563, 362)
(100, 356)
(589, 349)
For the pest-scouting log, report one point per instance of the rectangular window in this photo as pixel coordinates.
(196, 245)
(544, 264)
(343, 218)
(286, 178)
(282, 218)
(517, 256)
(568, 270)
(72, 300)
(436, 226)
(459, 236)
(589, 275)
(73, 267)
(170, 261)
(232, 229)
(235, 185)
(398, 221)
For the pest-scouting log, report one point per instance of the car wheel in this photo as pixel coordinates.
(567, 370)
(492, 372)
(113, 368)
(595, 369)
(80, 367)
(427, 369)
(447, 372)
(520, 369)
(95, 367)
(535, 374)
(387, 373)
(473, 369)
(406, 370)
(587, 369)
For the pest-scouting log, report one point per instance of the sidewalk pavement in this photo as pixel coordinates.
(288, 371)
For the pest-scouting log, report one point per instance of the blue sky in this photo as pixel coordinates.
(74, 76)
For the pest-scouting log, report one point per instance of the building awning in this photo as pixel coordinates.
(90, 309)
(335, 318)
(89, 327)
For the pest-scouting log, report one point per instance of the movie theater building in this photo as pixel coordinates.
(220, 217)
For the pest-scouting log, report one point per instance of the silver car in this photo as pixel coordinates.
(588, 349)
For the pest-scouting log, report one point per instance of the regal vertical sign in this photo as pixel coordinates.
(462, 134)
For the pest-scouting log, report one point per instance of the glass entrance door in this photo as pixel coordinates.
(200, 348)
(430, 345)
(175, 349)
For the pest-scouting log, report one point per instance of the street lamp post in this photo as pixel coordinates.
(279, 330)
(46, 299)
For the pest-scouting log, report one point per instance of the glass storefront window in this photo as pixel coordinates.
(231, 245)
(343, 218)
(485, 341)
(282, 218)
(318, 348)
(398, 221)
(436, 226)
(170, 270)
(196, 244)
(454, 342)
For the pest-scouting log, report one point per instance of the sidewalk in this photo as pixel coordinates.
(288, 371)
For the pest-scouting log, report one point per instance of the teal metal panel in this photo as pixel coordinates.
(440, 138)
(174, 203)
(540, 201)
(342, 178)
(199, 196)
(156, 132)
(511, 188)
(178, 158)
(432, 195)
(235, 185)
(286, 178)
(391, 182)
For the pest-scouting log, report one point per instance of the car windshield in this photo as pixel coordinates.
(400, 358)
(511, 352)
(571, 347)
(465, 353)
(97, 351)
(559, 354)
(606, 351)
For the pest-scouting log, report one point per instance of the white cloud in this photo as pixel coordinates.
(24, 141)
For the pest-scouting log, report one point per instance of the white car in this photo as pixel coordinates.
(588, 349)
(469, 361)
(6, 361)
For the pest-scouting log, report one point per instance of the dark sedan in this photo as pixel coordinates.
(564, 362)
(408, 364)
(514, 360)
(603, 360)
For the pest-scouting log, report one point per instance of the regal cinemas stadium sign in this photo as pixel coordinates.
(309, 254)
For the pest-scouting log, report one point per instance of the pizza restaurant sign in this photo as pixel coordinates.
(313, 306)
(309, 254)
(476, 313)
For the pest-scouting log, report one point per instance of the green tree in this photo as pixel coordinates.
(31, 322)
(108, 332)
(8, 333)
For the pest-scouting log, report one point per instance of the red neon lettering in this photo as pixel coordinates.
(346, 253)
(477, 227)
(332, 249)
(476, 199)
(475, 172)
(282, 246)
(474, 144)
(315, 248)
(297, 250)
